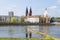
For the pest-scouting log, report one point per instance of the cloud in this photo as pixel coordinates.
(52, 7)
(58, 1)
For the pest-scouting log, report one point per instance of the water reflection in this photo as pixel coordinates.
(44, 29)
(33, 34)
(20, 31)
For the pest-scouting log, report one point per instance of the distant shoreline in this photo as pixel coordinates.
(22, 24)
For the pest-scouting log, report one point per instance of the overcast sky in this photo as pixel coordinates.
(38, 7)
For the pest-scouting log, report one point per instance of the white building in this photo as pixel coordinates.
(32, 19)
(35, 18)
(47, 16)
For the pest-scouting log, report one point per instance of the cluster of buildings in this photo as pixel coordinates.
(27, 18)
(7, 18)
(37, 18)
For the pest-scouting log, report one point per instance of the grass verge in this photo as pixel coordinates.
(22, 39)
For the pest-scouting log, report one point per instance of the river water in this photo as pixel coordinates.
(20, 31)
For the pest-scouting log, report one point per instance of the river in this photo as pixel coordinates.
(20, 31)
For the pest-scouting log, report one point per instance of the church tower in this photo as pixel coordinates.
(46, 13)
(46, 16)
(26, 11)
(30, 13)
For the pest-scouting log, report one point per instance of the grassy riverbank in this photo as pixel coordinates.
(23, 39)
(19, 39)
(23, 24)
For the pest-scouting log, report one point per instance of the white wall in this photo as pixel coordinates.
(32, 20)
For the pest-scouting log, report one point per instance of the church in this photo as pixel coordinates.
(36, 18)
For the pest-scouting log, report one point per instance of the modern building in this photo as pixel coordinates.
(11, 13)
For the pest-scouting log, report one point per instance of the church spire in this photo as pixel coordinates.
(26, 11)
(46, 12)
(30, 12)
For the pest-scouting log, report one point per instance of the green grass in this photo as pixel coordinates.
(22, 39)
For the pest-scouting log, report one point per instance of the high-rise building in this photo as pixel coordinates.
(11, 13)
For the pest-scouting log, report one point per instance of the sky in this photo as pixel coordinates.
(38, 7)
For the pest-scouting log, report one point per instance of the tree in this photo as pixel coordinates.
(42, 19)
(22, 19)
(13, 19)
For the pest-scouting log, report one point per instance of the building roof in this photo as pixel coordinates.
(34, 16)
